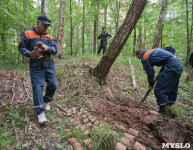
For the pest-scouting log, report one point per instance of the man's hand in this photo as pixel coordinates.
(43, 46)
(151, 87)
(98, 42)
(108, 37)
(36, 55)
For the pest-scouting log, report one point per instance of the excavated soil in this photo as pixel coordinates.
(110, 103)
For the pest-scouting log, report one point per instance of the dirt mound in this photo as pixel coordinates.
(154, 129)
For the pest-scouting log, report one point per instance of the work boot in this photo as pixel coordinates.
(47, 106)
(42, 118)
(170, 103)
(162, 110)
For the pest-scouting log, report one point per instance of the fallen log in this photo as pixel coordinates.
(133, 75)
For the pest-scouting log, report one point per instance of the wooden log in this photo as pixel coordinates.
(133, 75)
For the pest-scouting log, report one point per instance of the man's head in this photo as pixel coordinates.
(164, 45)
(138, 53)
(170, 45)
(103, 29)
(43, 22)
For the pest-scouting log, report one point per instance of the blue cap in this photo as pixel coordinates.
(44, 19)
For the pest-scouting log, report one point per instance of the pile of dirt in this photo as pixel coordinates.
(154, 129)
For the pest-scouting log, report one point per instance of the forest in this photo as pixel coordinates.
(96, 96)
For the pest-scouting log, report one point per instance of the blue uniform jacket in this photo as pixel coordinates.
(170, 49)
(157, 57)
(31, 37)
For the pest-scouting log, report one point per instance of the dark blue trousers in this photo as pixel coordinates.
(42, 71)
(103, 45)
(166, 88)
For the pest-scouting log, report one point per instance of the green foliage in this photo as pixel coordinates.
(104, 138)
(174, 111)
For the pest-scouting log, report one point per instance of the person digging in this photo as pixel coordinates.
(38, 45)
(166, 88)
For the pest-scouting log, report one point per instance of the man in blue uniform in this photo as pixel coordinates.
(166, 88)
(170, 49)
(102, 39)
(42, 67)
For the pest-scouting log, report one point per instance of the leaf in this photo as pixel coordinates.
(58, 146)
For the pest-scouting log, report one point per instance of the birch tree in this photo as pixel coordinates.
(160, 24)
(61, 28)
(44, 8)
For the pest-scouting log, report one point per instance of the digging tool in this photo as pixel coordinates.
(147, 92)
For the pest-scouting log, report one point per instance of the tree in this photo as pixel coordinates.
(117, 10)
(188, 35)
(71, 29)
(83, 27)
(160, 24)
(61, 28)
(77, 33)
(95, 28)
(139, 39)
(44, 8)
(105, 13)
(134, 40)
(102, 69)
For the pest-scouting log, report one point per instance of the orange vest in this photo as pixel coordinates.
(146, 55)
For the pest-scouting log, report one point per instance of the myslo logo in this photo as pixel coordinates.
(175, 145)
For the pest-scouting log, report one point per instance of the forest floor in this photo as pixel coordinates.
(86, 110)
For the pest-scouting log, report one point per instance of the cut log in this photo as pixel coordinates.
(133, 75)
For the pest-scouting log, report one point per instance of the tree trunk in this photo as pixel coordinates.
(25, 15)
(160, 24)
(102, 69)
(118, 5)
(71, 29)
(188, 36)
(97, 23)
(144, 33)
(134, 41)
(133, 75)
(95, 26)
(61, 28)
(83, 28)
(88, 36)
(139, 40)
(24, 59)
(77, 33)
(105, 13)
(44, 8)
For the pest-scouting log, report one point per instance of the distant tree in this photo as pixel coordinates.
(160, 24)
(71, 29)
(95, 28)
(134, 41)
(44, 8)
(117, 10)
(102, 69)
(189, 32)
(77, 32)
(139, 39)
(105, 13)
(83, 26)
(61, 28)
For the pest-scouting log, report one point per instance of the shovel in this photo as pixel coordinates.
(147, 92)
